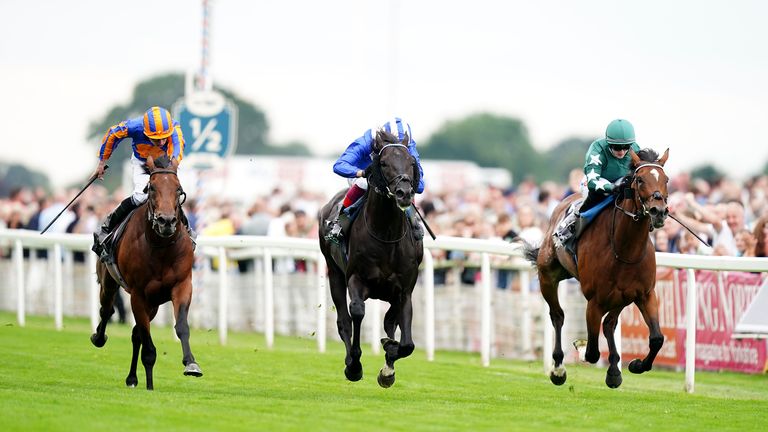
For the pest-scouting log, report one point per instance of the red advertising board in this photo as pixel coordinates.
(723, 297)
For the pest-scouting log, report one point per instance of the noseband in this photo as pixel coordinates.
(151, 216)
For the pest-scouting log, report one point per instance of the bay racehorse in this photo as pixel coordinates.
(383, 259)
(615, 265)
(154, 259)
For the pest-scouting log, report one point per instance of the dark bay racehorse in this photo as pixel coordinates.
(616, 266)
(154, 257)
(384, 257)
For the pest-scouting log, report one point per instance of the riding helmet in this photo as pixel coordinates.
(158, 123)
(620, 131)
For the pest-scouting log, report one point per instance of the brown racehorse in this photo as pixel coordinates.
(384, 257)
(616, 265)
(154, 257)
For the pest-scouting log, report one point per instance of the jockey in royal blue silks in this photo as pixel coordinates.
(154, 134)
(357, 157)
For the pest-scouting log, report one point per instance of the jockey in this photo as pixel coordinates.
(155, 134)
(607, 161)
(357, 157)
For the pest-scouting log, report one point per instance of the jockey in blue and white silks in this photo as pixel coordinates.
(357, 157)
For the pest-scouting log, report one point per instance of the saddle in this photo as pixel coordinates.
(109, 247)
(571, 226)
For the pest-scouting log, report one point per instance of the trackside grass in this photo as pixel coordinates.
(56, 380)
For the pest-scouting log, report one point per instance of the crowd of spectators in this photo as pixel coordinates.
(729, 216)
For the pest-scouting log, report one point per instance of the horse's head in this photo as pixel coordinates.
(165, 195)
(394, 172)
(648, 181)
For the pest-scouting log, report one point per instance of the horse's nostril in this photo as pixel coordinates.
(400, 193)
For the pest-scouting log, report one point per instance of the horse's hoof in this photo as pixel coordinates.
(353, 374)
(193, 369)
(613, 381)
(131, 381)
(557, 377)
(636, 366)
(97, 341)
(386, 381)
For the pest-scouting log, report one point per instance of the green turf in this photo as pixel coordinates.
(56, 380)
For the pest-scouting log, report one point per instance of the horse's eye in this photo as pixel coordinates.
(382, 164)
(640, 181)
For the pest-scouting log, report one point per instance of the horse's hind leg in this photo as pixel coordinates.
(107, 298)
(343, 320)
(402, 314)
(557, 316)
(354, 370)
(613, 376)
(650, 311)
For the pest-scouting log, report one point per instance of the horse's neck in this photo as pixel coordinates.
(631, 234)
(383, 215)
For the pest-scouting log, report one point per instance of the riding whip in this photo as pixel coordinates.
(93, 178)
(432, 234)
(689, 230)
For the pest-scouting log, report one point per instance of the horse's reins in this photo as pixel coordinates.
(151, 211)
(634, 216)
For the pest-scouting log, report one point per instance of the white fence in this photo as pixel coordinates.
(265, 249)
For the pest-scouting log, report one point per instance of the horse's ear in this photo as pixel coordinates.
(378, 141)
(151, 163)
(635, 158)
(174, 164)
(663, 159)
(406, 139)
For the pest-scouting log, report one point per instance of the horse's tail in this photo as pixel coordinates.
(530, 252)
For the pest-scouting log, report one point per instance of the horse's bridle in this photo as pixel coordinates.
(388, 192)
(636, 217)
(180, 199)
(643, 209)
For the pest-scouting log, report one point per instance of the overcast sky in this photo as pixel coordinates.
(690, 75)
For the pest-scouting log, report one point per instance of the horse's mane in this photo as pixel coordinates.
(163, 161)
(645, 155)
(648, 155)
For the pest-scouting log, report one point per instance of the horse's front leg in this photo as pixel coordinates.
(181, 311)
(399, 313)
(131, 380)
(354, 369)
(594, 317)
(650, 310)
(107, 299)
(343, 320)
(143, 314)
(613, 375)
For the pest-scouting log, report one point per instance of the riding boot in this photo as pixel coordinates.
(190, 231)
(578, 228)
(413, 217)
(110, 223)
(337, 227)
(564, 231)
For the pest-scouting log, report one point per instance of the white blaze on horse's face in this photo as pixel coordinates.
(655, 174)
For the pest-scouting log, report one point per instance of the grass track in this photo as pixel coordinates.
(51, 380)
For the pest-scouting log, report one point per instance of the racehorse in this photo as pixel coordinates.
(616, 265)
(383, 260)
(154, 258)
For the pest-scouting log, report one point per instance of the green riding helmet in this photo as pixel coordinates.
(620, 131)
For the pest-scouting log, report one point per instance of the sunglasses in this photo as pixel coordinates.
(619, 147)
